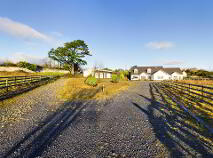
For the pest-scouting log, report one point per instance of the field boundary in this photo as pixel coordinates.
(201, 94)
(13, 85)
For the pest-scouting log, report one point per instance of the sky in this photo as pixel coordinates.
(119, 33)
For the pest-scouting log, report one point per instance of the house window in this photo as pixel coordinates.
(135, 71)
(175, 77)
(96, 75)
(149, 71)
(160, 77)
(101, 75)
(110, 75)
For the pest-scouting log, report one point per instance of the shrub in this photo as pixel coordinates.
(91, 81)
(32, 67)
(122, 77)
(115, 78)
(27, 65)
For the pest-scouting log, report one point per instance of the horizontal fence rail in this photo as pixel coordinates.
(13, 83)
(198, 78)
(192, 96)
(196, 90)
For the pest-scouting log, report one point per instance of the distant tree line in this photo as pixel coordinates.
(22, 64)
(30, 66)
(200, 73)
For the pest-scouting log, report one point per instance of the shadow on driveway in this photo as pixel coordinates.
(171, 129)
(37, 141)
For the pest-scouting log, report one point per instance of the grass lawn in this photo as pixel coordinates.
(49, 73)
(15, 73)
(199, 82)
(76, 89)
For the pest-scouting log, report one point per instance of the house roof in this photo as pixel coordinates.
(154, 69)
(102, 70)
(172, 70)
(142, 69)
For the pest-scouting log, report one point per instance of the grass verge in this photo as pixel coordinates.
(76, 89)
(14, 73)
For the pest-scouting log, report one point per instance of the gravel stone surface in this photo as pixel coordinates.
(134, 124)
(23, 113)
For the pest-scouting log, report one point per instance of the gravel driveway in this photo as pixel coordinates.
(135, 123)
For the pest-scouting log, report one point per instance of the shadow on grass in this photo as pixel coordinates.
(36, 142)
(86, 93)
(169, 125)
(192, 102)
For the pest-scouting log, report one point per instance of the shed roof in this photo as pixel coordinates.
(101, 70)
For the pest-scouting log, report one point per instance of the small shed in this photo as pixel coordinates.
(103, 74)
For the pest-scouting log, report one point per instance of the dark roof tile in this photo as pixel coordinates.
(154, 69)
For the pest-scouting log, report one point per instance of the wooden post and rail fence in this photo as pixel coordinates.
(11, 83)
(201, 92)
(185, 93)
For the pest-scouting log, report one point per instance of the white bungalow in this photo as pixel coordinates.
(156, 73)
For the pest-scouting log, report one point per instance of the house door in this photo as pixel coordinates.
(105, 75)
(101, 75)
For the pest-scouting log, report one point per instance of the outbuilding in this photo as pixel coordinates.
(99, 73)
(103, 74)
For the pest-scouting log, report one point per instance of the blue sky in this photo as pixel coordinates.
(120, 33)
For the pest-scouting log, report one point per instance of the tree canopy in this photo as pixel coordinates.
(201, 73)
(72, 53)
(27, 65)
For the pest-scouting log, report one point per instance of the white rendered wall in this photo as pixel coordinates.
(160, 75)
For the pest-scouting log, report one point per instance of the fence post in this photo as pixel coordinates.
(103, 88)
(189, 89)
(202, 93)
(182, 91)
(7, 84)
(15, 80)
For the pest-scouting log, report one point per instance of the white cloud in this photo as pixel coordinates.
(21, 30)
(16, 57)
(160, 45)
(173, 62)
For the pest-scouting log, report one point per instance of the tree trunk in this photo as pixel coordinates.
(72, 69)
